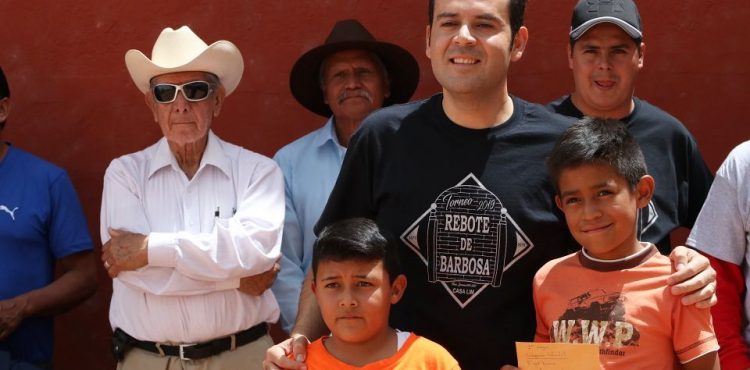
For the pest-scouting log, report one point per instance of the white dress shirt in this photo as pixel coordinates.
(205, 233)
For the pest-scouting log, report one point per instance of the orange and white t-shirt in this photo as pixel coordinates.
(624, 306)
(417, 353)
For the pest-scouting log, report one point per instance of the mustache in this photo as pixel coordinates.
(361, 93)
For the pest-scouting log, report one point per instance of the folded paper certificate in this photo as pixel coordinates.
(557, 356)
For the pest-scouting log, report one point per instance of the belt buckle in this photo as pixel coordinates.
(182, 351)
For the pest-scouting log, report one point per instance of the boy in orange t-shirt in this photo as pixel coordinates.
(613, 292)
(355, 281)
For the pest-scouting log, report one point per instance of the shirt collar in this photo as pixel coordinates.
(625, 263)
(328, 133)
(213, 155)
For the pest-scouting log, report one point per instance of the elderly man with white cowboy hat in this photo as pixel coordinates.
(191, 222)
(343, 80)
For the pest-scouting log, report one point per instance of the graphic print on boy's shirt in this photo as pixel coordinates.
(467, 239)
(596, 317)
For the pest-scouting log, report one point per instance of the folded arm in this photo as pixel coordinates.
(246, 244)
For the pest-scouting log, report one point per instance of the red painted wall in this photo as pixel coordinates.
(74, 103)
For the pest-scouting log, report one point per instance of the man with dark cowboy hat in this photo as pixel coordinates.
(345, 79)
(42, 227)
(187, 222)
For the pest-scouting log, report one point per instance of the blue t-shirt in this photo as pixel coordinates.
(41, 220)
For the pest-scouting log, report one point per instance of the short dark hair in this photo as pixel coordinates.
(517, 8)
(597, 141)
(4, 91)
(355, 239)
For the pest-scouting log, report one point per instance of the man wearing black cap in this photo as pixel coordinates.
(605, 54)
(41, 226)
(345, 79)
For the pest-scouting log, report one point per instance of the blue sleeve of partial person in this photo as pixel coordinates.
(68, 232)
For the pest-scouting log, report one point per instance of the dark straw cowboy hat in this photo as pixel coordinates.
(403, 70)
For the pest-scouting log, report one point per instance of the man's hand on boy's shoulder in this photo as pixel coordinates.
(694, 279)
(289, 354)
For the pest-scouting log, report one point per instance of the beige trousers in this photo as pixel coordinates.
(249, 356)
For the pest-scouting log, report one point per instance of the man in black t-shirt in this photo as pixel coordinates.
(460, 180)
(605, 54)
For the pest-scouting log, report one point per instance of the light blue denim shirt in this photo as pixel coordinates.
(310, 165)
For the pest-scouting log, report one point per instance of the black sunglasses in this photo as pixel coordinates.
(192, 91)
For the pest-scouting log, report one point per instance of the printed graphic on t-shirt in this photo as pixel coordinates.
(647, 218)
(9, 211)
(467, 239)
(596, 317)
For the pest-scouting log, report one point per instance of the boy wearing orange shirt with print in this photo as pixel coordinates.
(613, 292)
(355, 281)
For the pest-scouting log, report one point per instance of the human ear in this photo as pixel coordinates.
(427, 42)
(519, 44)
(4, 108)
(219, 100)
(151, 104)
(645, 190)
(570, 56)
(558, 202)
(397, 288)
(641, 53)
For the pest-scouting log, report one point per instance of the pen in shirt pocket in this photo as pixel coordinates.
(217, 212)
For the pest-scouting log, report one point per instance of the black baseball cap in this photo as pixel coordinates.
(589, 13)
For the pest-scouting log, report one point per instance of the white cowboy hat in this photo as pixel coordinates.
(181, 51)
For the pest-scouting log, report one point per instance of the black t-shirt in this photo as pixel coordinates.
(474, 214)
(672, 157)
